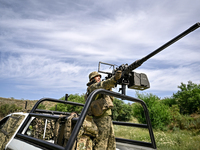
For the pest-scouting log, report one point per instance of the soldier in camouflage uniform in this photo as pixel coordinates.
(101, 110)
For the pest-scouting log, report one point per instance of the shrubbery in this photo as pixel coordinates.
(121, 111)
(6, 109)
(188, 98)
(159, 113)
(174, 112)
(180, 121)
(70, 108)
(169, 101)
(42, 106)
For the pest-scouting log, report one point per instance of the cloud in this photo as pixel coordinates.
(52, 47)
(38, 70)
(168, 79)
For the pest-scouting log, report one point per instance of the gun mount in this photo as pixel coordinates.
(140, 81)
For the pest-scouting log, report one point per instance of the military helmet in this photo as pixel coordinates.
(93, 74)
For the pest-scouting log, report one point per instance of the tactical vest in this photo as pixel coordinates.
(101, 105)
(63, 132)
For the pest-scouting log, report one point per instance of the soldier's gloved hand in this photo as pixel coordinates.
(118, 75)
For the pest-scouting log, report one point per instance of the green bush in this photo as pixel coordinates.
(121, 111)
(70, 108)
(180, 121)
(159, 113)
(6, 109)
(169, 101)
(188, 98)
(42, 106)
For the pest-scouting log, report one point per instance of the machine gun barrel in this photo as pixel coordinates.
(139, 62)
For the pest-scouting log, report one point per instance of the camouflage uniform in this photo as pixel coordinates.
(87, 132)
(106, 139)
(101, 111)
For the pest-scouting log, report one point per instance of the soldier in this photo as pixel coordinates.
(101, 110)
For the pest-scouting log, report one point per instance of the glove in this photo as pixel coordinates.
(118, 75)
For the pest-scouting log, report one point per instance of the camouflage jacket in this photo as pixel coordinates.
(102, 103)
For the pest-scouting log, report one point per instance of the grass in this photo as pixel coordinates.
(19, 103)
(178, 140)
(168, 140)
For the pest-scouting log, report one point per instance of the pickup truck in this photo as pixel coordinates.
(15, 128)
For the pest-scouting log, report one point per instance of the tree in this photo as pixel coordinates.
(188, 98)
(159, 113)
(121, 111)
(169, 101)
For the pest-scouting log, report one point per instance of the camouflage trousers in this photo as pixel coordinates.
(106, 137)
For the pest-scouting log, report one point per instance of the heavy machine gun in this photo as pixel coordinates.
(135, 80)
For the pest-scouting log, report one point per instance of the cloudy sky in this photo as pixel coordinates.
(48, 48)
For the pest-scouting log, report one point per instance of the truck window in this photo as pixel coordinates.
(3, 121)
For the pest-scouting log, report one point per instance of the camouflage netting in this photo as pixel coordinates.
(37, 126)
(9, 129)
